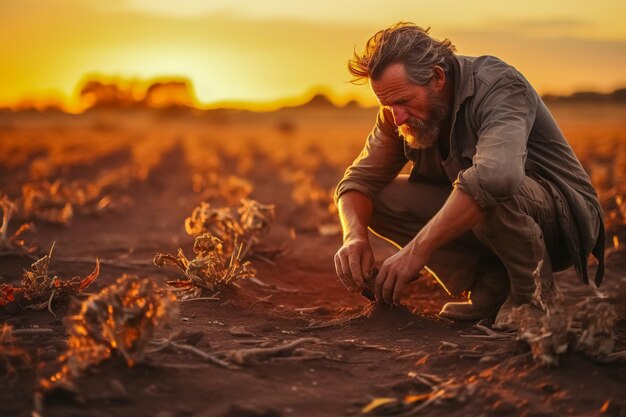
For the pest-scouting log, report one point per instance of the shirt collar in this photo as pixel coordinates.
(463, 79)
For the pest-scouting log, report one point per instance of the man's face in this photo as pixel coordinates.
(418, 110)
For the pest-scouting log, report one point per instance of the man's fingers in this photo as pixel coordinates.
(367, 263)
(378, 284)
(388, 287)
(340, 274)
(398, 290)
(346, 273)
(357, 275)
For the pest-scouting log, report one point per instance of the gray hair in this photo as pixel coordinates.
(406, 43)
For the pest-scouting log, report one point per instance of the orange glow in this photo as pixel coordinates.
(240, 54)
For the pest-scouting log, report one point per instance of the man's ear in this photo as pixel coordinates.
(439, 76)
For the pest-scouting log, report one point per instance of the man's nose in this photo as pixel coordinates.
(400, 116)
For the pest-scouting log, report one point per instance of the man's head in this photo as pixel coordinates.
(407, 70)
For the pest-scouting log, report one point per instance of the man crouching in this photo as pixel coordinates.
(495, 191)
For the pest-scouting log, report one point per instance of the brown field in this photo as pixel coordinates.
(118, 186)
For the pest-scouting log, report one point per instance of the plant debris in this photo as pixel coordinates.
(597, 338)
(229, 190)
(10, 353)
(13, 242)
(121, 319)
(57, 202)
(39, 289)
(242, 227)
(447, 391)
(7, 294)
(546, 325)
(208, 271)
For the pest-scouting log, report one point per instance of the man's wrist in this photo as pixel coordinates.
(355, 234)
(421, 247)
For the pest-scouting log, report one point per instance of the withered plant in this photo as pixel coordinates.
(597, 338)
(316, 208)
(10, 353)
(543, 323)
(7, 294)
(122, 319)
(546, 325)
(237, 230)
(229, 190)
(13, 242)
(39, 289)
(55, 202)
(209, 271)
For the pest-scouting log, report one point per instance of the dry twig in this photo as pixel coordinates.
(245, 356)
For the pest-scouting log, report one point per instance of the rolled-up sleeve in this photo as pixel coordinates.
(380, 161)
(505, 117)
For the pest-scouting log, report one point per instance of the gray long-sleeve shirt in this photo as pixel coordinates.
(501, 131)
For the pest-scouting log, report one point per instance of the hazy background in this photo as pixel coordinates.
(263, 54)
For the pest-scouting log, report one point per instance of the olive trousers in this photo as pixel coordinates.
(508, 245)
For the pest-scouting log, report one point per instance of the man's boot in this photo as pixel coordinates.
(486, 297)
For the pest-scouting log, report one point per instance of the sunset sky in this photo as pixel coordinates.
(241, 51)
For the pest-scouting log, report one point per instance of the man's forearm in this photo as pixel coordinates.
(459, 214)
(355, 211)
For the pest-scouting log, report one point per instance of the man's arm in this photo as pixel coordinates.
(459, 214)
(380, 161)
(354, 260)
(505, 115)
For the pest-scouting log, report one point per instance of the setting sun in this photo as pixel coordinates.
(247, 53)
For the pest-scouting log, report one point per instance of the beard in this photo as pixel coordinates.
(421, 134)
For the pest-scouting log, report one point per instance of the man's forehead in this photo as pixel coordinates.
(395, 70)
(392, 82)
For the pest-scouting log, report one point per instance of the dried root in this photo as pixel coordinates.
(243, 227)
(208, 271)
(122, 319)
(247, 356)
(233, 359)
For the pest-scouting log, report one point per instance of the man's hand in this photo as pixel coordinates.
(396, 273)
(354, 262)
(459, 214)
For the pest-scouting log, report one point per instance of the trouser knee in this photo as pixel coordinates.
(403, 207)
(521, 232)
